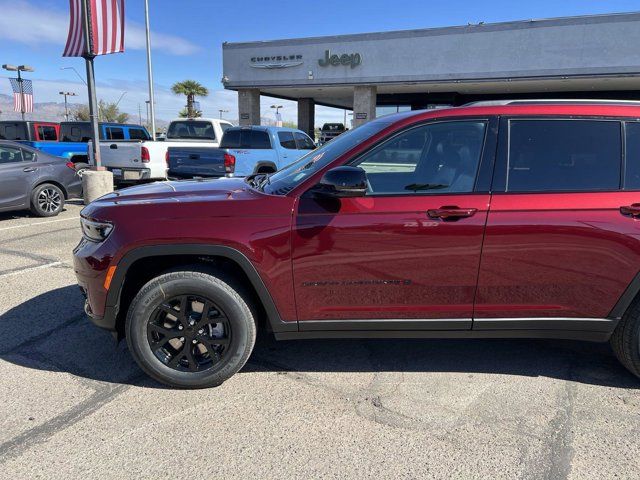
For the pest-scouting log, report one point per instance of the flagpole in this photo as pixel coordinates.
(152, 109)
(91, 86)
(21, 95)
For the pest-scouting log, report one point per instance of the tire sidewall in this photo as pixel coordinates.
(171, 285)
(35, 207)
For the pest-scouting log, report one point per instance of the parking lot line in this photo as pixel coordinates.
(39, 223)
(28, 269)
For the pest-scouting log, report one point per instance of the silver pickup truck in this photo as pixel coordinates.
(133, 162)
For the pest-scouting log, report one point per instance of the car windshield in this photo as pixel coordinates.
(285, 180)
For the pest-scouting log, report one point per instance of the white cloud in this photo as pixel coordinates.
(23, 22)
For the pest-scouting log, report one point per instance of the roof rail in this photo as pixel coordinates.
(550, 101)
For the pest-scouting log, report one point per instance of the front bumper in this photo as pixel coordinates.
(90, 263)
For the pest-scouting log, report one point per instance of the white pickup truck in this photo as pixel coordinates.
(138, 161)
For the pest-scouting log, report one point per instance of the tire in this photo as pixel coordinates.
(47, 200)
(218, 353)
(625, 340)
(80, 168)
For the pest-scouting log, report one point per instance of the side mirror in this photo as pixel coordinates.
(343, 182)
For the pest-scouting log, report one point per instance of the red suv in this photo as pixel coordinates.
(507, 219)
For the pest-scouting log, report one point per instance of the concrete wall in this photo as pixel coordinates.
(606, 44)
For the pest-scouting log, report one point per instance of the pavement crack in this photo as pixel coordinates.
(561, 450)
(17, 445)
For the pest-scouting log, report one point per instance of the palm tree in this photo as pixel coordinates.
(190, 88)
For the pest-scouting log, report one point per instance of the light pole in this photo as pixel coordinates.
(152, 101)
(19, 68)
(66, 108)
(76, 72)
(222, 111)
(278, 121)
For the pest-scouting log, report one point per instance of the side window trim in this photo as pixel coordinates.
(501, 169)
(485, 166)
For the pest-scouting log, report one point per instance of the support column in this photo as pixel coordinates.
(306, 115)
(364, 104)
(249, 106)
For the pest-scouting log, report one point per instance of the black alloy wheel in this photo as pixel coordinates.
(189, 333)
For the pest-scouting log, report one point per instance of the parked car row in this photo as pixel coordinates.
(68, 139)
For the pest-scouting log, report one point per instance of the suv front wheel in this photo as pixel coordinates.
(190, 329)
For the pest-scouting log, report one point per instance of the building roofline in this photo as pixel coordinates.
(450, 30)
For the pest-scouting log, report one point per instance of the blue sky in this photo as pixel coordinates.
(187, 37)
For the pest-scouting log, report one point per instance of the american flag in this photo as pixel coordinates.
(22, 101)
(106, 30)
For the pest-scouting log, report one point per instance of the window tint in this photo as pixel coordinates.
(246, 138)
(303, 141)
(115, 133)
(77, 132)
(259, 139)
(230, 139)
(286, 140)
(632, 155)
(191, 129)
(13, 131)
(563, 155)
(434, 158)
(47, 133)
(138, 134)
(10, 155)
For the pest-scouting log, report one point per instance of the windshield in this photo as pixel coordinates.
(285, 180)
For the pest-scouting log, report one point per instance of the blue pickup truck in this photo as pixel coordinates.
(243, 151)
(67, 139)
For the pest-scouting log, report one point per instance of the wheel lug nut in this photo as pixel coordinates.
(182, 339)
(201, 331)
(180, 327)
(194, 341)
(192, 322)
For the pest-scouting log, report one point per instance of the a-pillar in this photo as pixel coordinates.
(249, 106)
(306, 115)
(364, 104)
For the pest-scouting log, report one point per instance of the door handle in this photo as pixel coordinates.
(632, 210)
(113, 146)
(29, 169)
(451, 212)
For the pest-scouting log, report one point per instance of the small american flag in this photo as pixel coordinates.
(106, 28)
(22, 100)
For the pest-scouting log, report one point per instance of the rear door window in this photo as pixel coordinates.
(115, 133)
(286, 140)
(47, 133)
(632, 156)
(564, 155)
(304, 142)
(138, 134)
(192, 130)
(13, 131)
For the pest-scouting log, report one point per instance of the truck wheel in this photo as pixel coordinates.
(625, 340)
(80, 168)
(190, 329)
(47, 200)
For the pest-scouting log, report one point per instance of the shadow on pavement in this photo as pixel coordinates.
(50, 332)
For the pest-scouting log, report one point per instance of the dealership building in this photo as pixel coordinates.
(378, 73)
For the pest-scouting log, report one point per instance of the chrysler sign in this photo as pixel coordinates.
(276, 61)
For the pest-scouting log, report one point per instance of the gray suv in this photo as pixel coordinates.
(30, 179)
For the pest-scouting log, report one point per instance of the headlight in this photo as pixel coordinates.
(95, 231)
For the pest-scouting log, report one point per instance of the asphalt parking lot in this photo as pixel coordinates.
(75, 404)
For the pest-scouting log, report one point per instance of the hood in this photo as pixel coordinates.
(181, 191)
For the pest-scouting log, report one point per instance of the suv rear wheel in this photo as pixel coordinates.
(625, 340)
(190, 329)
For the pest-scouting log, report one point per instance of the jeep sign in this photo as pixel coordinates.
(353, 59)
